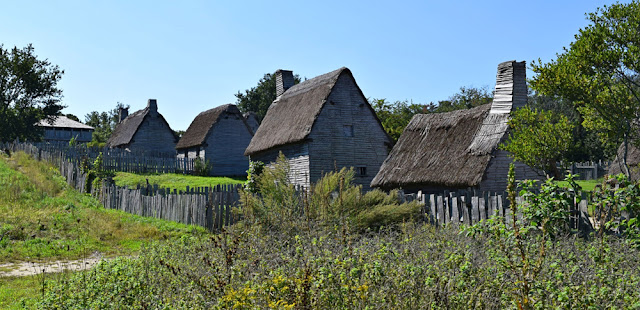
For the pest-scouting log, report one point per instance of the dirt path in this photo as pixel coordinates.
(30, 268)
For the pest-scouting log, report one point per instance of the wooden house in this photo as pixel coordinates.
(144, 131)
(459, 149)
(633, 162)
(321, 125)
(62, 129)
(220, 136)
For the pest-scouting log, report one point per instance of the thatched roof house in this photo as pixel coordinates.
(63, 129)
(145, 130)
(220, 136)
(459, 149)
(252, 120)
(321, 124)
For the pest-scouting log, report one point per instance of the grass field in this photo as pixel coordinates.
(587, 185)
(44, 219)
(173, 180)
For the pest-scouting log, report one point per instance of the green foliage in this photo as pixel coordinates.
(255, 169)
(539, 138)
(202, 167)
(28, 93)
(413, 267)
(599, 73)
(332, 200)
(466, 98)
(259, 98)
(395, 116)
(616, 204)
(103, 123)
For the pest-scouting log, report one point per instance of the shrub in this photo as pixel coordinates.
(202, 167)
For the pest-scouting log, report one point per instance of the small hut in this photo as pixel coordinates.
(320, 125)
(219, 136)
(144, 131)
(459, 149)
(63, 129)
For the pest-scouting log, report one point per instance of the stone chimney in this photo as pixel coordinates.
(284, 80)
(124, 112)
(511, 87)
(152, 105)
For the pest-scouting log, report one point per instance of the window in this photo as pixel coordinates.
(362, 171)
(347, 130)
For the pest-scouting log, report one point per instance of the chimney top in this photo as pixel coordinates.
(152, 104)
(124, 112)
(511, 87)
(284, 80)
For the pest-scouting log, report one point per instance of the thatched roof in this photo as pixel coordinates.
(126, 129)
(201, 126)
(633, 161)
(63, 122)
(450, 149)
(292, 115)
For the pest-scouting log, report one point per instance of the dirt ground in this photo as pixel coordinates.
(32, 268)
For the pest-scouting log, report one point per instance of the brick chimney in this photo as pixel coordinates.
(511, 87)
(284, 80)
(123, 113)
(152, 105)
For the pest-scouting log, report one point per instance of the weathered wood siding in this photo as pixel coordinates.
(298, 157)
(153, 135)
(225, 146)
(332, 146)
(495, 177)
(53, 134)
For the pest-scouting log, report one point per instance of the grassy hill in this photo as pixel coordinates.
(43, 218)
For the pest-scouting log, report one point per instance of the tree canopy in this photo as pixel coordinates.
(539, 138)
(259, 98)
(28, 93)
(599, 73)
(103, 123)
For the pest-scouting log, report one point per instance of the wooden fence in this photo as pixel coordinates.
(209, 207)
(590, 170)
(122, 160)
(468, 208)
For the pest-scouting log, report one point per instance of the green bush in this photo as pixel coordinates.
(202, 167)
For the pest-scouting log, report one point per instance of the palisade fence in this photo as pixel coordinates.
(212, 207)
(470, 207)
(115, 159)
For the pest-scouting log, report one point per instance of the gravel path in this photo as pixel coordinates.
(30, 268)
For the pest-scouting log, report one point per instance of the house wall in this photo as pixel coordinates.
(225, 146)
(65, 134)
(332, 146)
(495, 178)
(153, 135)
(297, 156)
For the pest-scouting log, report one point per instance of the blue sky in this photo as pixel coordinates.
(195, 55)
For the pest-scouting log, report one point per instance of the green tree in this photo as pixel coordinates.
(103, 123)
(259, 98)
(539, 139)
(72, 117)
(28, 93)
(599, 74)
(395, 116)
(467, 98)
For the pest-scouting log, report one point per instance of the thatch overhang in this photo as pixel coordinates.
(291, 117)
(201, 126)
(126, 129)
(450, 149)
